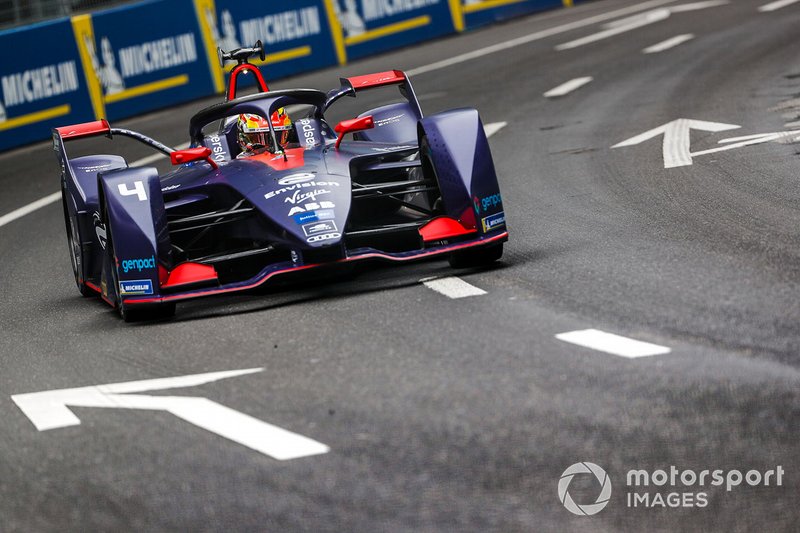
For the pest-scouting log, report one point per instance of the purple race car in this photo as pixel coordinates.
(268, 188)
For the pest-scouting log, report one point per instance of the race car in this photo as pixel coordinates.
(236, 214)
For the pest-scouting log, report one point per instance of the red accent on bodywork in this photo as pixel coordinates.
(163, 274)
(442, 228)
(92, 286)
(244, 69)
(179, 157)
(379, 79)
(189, 273)
(86, 129)
(294, 159)
(467, 218)
(353, 125)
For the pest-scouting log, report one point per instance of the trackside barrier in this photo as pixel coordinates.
(125, 61)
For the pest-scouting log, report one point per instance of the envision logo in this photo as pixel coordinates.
(585, 509)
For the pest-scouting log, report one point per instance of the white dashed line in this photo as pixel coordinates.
(56, 196)
(493, 127)
(772, 6)
(568, 87)
(669, 43)
(613, 344)
(452, 287)
(536, 36)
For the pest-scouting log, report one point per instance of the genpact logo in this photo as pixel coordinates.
(138, 264)
(590, 508)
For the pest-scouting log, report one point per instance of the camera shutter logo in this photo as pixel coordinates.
(590, 508)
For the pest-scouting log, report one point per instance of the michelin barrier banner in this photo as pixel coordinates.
(364, 27)
(296, 35)
(474, 13)
(143, 57)
(137, 58)
(42, 83)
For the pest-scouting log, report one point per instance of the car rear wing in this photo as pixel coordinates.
(354, 84)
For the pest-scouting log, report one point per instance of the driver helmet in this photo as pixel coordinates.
(254, 131)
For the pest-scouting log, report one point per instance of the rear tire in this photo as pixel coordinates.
(476, 257)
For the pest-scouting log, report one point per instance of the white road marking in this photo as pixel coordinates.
(777, 134)
(493, 127)
(630, 23)
(568, 87)
(772, 6)
(49, 410)
(56, 196)
(676, 145)
(30, 208)
(536, 36)
(759, 139)
(452, 287)
(669, 43)
(637, 21)
(613, 344)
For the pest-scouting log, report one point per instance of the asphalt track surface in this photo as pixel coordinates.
(462, 414)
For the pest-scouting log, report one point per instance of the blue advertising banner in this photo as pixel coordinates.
(142, 57)
(474, 13)
(364, 27)
(295, 33)
(40, 90)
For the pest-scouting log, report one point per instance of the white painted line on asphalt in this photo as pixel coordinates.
(613, 344)
(452, 287)
(676, 144)
(493, 127)
(760, 139)
(568, 87)
(776, 134)
(56, 196)
(631, 23)
(536, 36)
(637, 21)
(772, 6)
(50, 410)
(30, 208)
(669, 43)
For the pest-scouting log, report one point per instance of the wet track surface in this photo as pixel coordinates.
(462, 413)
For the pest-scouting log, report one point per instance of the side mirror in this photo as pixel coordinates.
(179, 157)
(353, 125)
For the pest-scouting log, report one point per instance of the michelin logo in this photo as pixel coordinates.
(493, 221)
(38, 84)
(271, 29)
(136, 286)
(354, 24)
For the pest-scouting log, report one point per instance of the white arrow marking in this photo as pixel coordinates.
(772, 6)
(669, 43)
(676, 146)
(568, 87)
(749, 140)
(49, 410)
(637, 21)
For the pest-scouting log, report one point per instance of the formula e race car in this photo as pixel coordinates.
(403, 187)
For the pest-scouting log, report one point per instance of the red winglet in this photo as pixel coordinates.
(353, 125)
(189, 274)
(378, 79)
(187, 155)
(442, 228)
(87, 129)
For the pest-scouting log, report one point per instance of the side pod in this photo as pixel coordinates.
(457, 147)
(132, 204)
